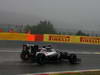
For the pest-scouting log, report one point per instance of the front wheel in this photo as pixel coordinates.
(73, 59)
(41, 59)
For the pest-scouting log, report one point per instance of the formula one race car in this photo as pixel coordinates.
(46, 54)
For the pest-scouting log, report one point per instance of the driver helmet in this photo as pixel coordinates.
(44, 46)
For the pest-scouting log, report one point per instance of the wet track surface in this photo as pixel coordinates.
(11, 64)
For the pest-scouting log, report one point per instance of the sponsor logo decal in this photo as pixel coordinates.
(90, 40)
(59, 38)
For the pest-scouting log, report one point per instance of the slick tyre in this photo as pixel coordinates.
(41, 59)
(24, 56)
(72, 59)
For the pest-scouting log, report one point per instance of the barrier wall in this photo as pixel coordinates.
(21, 37)
(57, 38)
(13, 36)
(61, 38)
(89, 40)
(50, 38)
(71, 39)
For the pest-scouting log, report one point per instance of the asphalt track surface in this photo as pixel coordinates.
(11, 64)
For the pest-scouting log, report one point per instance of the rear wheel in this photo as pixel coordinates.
(24, 55)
